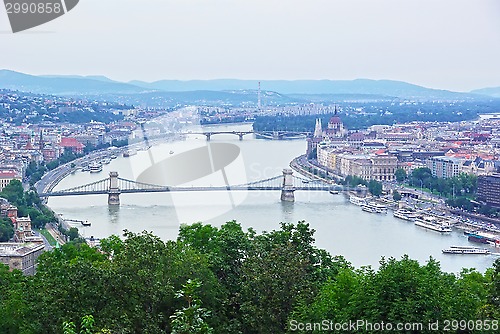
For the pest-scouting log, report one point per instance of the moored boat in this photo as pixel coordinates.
(374, 208)
(477, 238)
(405, 214)
(129, 153)
(368, 208)
(106, 161)
(95, 167)
(432, 225)
(357, 200)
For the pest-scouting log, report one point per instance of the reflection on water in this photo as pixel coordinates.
(113, 214)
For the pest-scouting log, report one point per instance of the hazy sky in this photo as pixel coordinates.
(448, 44)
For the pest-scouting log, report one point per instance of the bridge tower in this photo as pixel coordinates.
(114, 190)
(288, 189)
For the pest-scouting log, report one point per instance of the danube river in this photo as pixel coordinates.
(341, 228)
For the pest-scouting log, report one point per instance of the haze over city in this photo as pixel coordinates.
(447, 44)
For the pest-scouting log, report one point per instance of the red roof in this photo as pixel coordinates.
(8, 174)
(335, 120)
(71, 142)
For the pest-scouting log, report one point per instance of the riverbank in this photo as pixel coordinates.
(464, 221)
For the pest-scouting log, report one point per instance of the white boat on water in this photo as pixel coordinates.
(129, 153)
(357, 200)
(465, 250)
(106, 161)
(95, 167)
(432, 225)
(405, 214)
(374, 208)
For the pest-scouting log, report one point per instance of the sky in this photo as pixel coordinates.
(444, 44)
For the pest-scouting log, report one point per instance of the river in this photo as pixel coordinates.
(341, 228)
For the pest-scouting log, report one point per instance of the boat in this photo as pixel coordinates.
(374, 208)
(483, 238)
(86, 223)
(334, 192)
(368, 208)
(113, 156)
(357, 200)
(171, 152)
(405, 214)
(129, 153)
(95, 167)
(432, 225)
(106, 161)
(465, 250)
(477, 238)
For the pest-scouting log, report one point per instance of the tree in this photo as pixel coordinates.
(6, 229)
(396, 195)
(14, 193)
(73, 233)
(191, 318)
(375, 187)
(282, 269)
(400, 174)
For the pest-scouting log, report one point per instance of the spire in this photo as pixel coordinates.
(318, 132)
(335, 113)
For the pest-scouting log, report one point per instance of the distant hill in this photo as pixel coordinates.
(205, 97)
(490, 91)
(63, 85)
(243, 91)
(388, 88)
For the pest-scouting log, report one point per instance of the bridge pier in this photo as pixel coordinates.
(287, 192)
(114, 190)
(208, 134)
(241, 135)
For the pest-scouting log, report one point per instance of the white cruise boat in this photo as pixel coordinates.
(95, 167)
(374, 208)
(465, 250)
(432, 225)
(106, 161)
(405, 214)
(357, 200)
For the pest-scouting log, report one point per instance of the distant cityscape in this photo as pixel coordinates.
(40, 132)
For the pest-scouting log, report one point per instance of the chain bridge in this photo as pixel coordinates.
(114, 186)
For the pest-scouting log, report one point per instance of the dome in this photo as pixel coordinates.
(335, 120)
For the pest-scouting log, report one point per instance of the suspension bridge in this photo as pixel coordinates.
(114, 186)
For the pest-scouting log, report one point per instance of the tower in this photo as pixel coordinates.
(288, 189)
(114, 190)
(318, 132)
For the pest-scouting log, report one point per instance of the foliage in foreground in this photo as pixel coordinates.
(227, 280)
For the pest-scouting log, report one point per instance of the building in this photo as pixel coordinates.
(8, 175)
(383, 167)
(72, 145)
(488, 190)
(445, 167)
(335, 128)
(21, 256)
